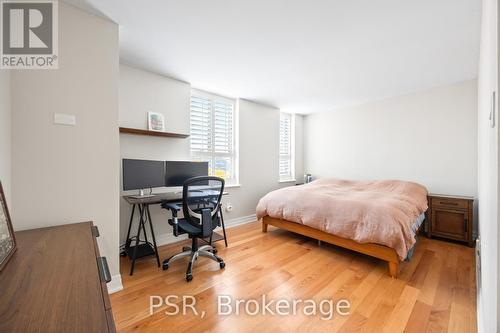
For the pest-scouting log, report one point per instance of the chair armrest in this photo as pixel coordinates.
(173, 207)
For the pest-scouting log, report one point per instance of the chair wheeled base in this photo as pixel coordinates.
(194, 252)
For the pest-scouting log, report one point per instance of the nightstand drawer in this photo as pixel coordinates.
(450, 203)
(450, 223)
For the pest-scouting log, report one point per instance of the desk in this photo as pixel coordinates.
(147, 249)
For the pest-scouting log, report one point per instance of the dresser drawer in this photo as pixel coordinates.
(450, 203)
(103, 270)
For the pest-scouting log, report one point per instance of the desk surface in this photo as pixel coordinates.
(52, 283)
(157, 198)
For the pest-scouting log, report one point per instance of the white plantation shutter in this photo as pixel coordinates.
(213, 134)
(286, 155)
(201, 128)
(223, 127)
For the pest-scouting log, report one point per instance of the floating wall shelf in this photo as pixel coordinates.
(137, 131)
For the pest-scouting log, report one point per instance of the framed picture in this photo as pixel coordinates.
(156, 122)
(7, 238)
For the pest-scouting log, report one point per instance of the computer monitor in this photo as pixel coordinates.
(177, 172)
(143, 174)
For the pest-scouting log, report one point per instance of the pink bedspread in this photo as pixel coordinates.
(379, 212)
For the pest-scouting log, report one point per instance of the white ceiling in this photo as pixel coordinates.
(301, 56)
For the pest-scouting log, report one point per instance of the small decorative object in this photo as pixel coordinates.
(7, 238)
(307, 178)
(156, 122)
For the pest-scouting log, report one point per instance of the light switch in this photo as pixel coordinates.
(64, 119)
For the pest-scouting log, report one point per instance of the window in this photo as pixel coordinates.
(286, 163)
(212, 125)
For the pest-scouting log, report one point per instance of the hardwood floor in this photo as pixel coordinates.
(435, 291)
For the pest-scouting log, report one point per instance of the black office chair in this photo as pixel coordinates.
(201, 202)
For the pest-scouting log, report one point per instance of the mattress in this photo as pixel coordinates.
(414, 228)
(418, 222)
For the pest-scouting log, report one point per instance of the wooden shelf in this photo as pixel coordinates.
(137, 131)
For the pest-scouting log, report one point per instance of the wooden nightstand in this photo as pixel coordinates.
(451, 217)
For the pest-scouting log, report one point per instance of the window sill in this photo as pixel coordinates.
(287, 180)
(232, 186)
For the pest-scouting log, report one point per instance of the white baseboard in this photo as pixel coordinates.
(169, 238)
(115, 284)
(240, 220)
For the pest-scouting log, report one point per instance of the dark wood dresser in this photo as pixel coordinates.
(55, 282)
(451, 217)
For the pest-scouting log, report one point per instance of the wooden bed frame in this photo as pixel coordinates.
(374, 250)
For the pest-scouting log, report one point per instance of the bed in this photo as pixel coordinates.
(376, 218)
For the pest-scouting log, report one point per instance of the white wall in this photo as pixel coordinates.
(427, 137)
(64, 174)
(258, 124)
(258, 157)
(140, 92)
(488, 172)
(5, 134)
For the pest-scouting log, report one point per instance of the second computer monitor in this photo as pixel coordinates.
(177, 172)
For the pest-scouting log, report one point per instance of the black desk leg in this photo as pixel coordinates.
(144, 223)
(141, 222)
(223, 226)
(127, 242)
(153, 235)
